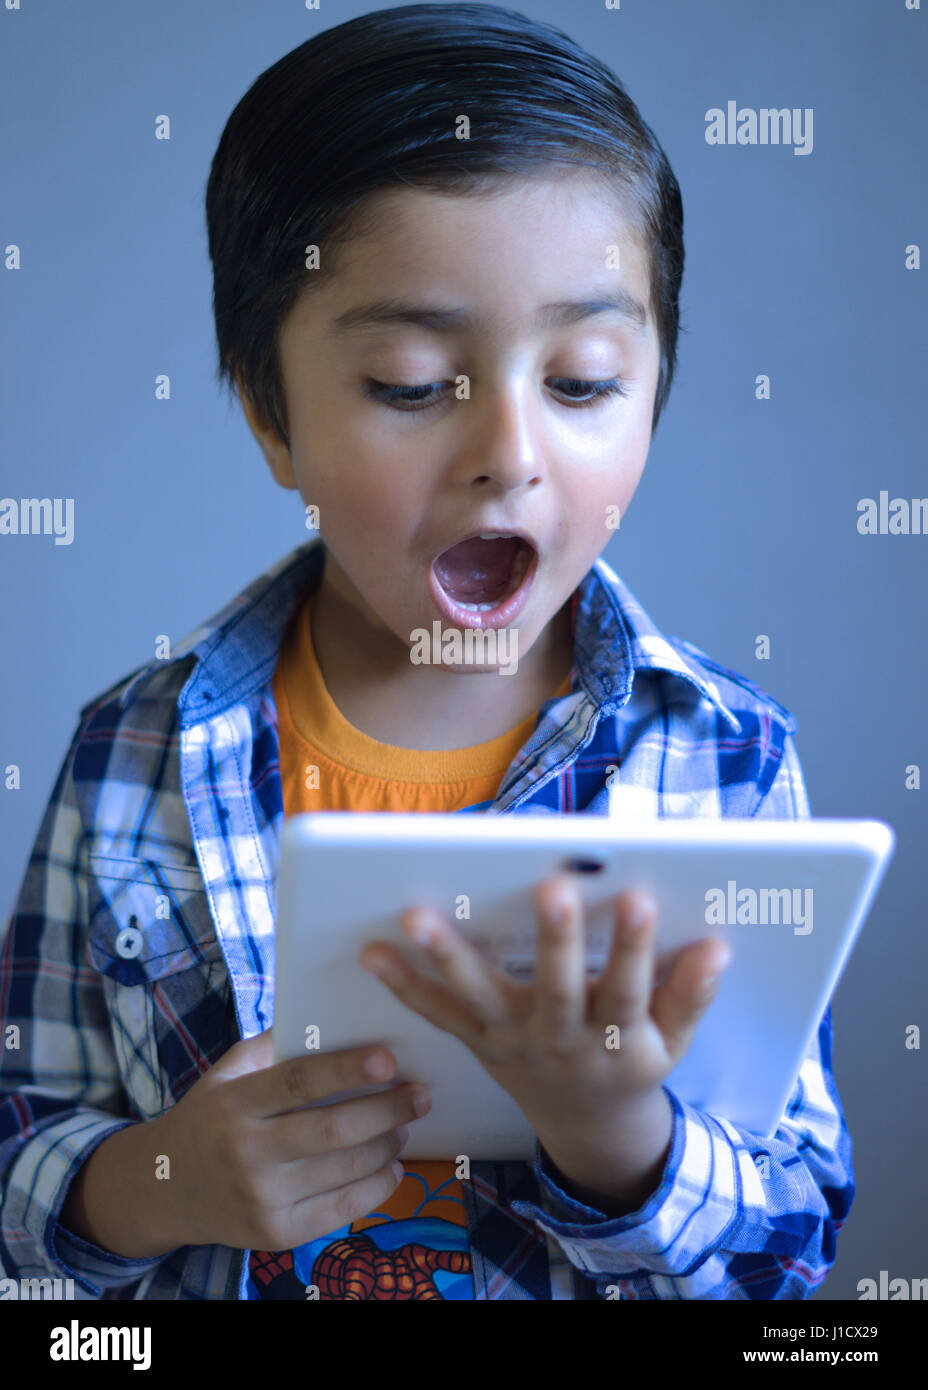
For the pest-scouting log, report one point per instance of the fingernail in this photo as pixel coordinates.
(641, 913)
(377, 1066)
(385, 969)
(420, 1102)
(421, 930)
(710, 984)
(563, 905)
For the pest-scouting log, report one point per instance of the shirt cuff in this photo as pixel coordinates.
(84, 1262)
(675, 1230)
(36, 1189)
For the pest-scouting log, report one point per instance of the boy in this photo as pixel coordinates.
(447, 255)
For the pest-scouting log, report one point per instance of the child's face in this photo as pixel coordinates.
(397, 486)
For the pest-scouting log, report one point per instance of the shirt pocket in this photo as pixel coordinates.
(153, 943)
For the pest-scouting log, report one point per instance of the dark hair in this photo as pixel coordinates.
(373, 103)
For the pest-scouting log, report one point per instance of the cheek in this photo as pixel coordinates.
(609, 480)
(596, 504)
(362, 503)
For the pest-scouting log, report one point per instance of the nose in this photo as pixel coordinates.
(502, 446)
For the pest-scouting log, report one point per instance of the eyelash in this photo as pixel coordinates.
(391, 395)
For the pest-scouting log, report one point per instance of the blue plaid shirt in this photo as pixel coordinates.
(171, 786)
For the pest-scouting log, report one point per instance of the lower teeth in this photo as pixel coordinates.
(518, 574)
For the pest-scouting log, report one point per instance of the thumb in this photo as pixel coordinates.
(247, 1055)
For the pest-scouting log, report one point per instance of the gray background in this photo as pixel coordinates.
(745, 519)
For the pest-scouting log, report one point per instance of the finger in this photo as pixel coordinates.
(680, 1001)
(343, 1124)
(343, 1206)
(560, 969)
(466, 973)
(623, 991)
(287, 1086)
(327, 1172)
(429, 998)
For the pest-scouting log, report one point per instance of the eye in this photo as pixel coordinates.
(589, 392)
(404, 397)
(422, 397)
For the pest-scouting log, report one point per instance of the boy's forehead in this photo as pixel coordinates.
(543, 243)
(521, 211)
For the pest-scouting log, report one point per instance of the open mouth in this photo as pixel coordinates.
(479, 574)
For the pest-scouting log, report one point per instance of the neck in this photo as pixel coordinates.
(377, 688)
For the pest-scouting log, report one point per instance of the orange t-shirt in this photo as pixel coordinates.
(416, 1245)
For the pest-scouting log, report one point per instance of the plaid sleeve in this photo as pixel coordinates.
(60, 1091)
(735, 1215)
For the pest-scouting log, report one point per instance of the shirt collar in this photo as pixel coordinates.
(611, 624)
(236, 651)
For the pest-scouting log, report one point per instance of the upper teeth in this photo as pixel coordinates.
(496, 536)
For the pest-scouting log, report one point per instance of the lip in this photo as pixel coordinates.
(500, 528)
(499, 617)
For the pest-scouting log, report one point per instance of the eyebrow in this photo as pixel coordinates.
(386, 312)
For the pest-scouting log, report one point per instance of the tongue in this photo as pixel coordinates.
(477, 571)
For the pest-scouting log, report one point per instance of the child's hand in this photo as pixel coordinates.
(255, 1170)
(552, 1043)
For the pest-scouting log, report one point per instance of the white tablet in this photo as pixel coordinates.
(789, 896)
